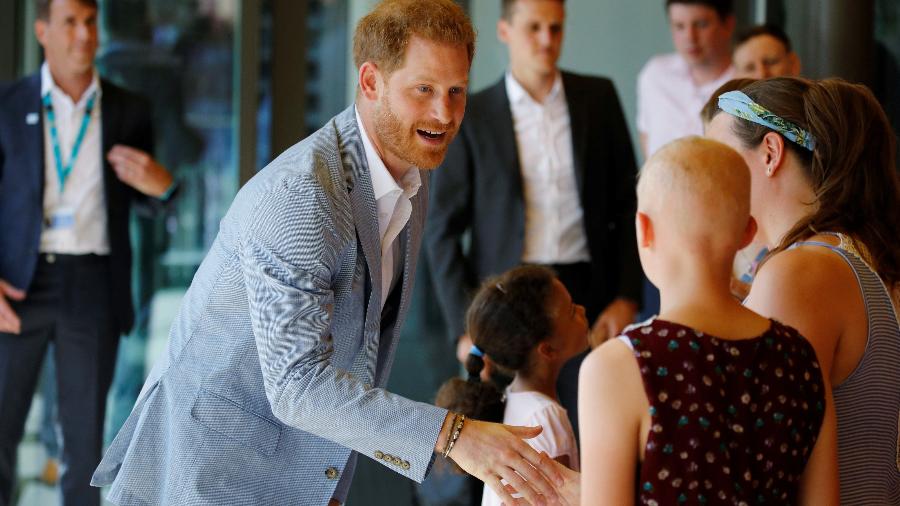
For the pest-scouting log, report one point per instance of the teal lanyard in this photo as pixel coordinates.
(63, 171)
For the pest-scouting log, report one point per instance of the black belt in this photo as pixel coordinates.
(65, 258)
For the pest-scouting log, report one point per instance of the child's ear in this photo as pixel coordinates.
(644, 227)
(749, 233)
(546, 350)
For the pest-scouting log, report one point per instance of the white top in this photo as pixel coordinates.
(393, 205)
(83, 196)
(554, 228)
(669, 101)
(557, 438)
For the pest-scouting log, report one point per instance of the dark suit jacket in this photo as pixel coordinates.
(126, 120)
(478, 191)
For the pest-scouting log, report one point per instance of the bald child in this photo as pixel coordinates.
(696, 397)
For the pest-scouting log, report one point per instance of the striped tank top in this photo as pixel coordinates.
(868, 402)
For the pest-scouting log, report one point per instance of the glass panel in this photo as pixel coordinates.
(264, 153)
(326, 67)
(181, 56)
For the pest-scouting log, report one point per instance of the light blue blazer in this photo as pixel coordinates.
(272, 379)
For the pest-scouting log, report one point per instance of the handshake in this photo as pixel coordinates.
(496, 453)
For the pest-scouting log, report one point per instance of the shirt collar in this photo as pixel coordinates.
(517, 93)
(383, 182)
(49, 85)
(681, 66)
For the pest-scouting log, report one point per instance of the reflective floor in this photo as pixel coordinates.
(32, 489)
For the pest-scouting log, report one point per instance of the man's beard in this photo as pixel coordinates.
(403, 143)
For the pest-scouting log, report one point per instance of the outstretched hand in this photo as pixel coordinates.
(493, 452)
(569, 492)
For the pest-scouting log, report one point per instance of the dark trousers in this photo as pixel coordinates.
(68, 303)
(577, 279)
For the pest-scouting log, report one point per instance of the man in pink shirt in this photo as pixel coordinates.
(672, 88)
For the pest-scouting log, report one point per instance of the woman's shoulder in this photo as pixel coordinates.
(814, 290)
(805, 268)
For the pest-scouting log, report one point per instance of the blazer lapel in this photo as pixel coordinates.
(413, 234)
(578, 123)
(31, 114)
(362, 200)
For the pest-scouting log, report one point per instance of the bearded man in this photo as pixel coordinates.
(273, 380)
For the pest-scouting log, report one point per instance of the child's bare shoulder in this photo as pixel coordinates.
(610, 359)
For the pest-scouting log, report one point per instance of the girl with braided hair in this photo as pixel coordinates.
(524, 325)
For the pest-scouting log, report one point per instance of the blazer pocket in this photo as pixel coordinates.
(229, 419)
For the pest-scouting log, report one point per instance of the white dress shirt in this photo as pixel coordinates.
(83, 195)
(392, 203)
(669, 101)
(554, 219)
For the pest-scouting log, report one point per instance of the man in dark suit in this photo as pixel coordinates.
(542, 171)
(73, 158)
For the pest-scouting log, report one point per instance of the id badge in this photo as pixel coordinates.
(63, 218)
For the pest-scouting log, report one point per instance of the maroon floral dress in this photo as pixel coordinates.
(732, 421)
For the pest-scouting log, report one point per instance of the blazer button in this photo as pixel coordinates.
(331, 473)
(405, 465)
(379, 455)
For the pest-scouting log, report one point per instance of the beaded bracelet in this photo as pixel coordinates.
(458, 421)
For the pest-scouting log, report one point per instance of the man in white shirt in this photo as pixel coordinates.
(673, 88)
(541, 172)
(73, 157)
